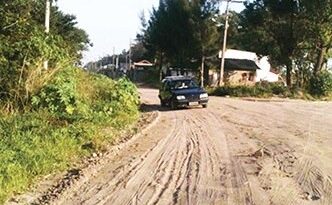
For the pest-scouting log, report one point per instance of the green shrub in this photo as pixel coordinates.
(279, 89)
(69, 117)
(59, 96)
(320, 85)
(21, 64)
(109, 100)
(261, 89)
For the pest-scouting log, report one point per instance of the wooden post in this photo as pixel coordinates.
(202, 71)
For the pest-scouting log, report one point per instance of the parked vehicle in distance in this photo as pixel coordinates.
(180, 91)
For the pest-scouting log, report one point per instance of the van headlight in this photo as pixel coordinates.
(180, 97)
(203, 96)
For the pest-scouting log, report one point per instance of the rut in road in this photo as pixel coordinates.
(191, 165)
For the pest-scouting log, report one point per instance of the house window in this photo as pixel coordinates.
(251, 77)
(244, 77)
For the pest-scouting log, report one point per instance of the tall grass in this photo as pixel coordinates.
(32, 146)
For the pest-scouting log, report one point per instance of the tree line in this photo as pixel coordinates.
(295, 34)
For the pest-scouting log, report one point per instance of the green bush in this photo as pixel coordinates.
(69, 96)
(115, 99)
(59, 97)
(261, 89)
(24, 46)
(279, 89)
(46, 117)
(21, 64)
(66, 122)
(320, 85)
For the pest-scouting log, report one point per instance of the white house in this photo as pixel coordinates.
(262, 74)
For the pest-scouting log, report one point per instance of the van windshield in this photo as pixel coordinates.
(183, 84)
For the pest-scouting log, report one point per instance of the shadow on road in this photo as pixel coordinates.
(156, 107)
(153, 107)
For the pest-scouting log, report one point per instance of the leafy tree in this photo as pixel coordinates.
(154, 33)
(270, 27)
(24, 45)
(316, 17)
(181, 32)
(320, 85)
(64, 25)
(138, 51)
(178, 30)
(291, 32)
(234, 29)
(206, 34)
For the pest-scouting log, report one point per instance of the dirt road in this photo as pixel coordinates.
(234, 152)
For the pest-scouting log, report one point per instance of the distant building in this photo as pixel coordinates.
(141, 71)
(245, 68)
(142, 64)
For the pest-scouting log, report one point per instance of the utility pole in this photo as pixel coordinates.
(222, 66)
(202, 71)
(113, 57)
(130, 62)
(47, 25)
(117, 62)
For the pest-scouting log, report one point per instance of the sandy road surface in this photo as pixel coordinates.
(234, 152)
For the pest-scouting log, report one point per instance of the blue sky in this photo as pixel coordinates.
(110, 23)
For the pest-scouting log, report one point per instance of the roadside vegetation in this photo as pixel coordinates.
(50, 118)
(63, 123)
(319, 87)
(152, 79)
(258, 90)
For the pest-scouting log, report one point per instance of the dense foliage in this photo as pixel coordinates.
(319, 88)
(24, 46)
(180, 32)
(263, 89)
(67, 115)
(50, 118)
(321, 84)
(295, 34)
